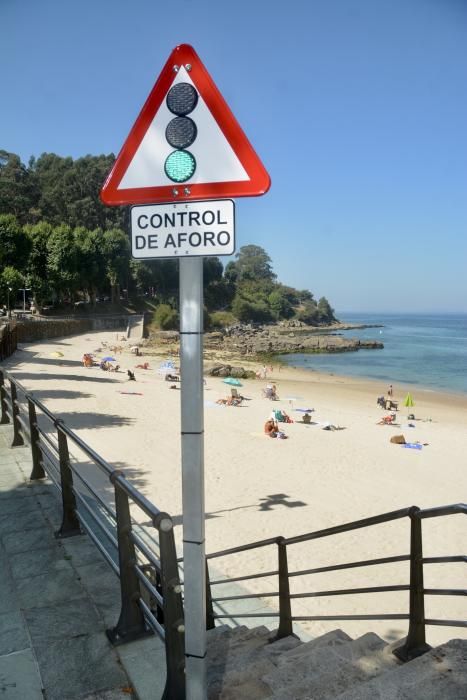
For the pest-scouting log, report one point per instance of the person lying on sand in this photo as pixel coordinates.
(387, 420)
(145, 365)
(230, 401)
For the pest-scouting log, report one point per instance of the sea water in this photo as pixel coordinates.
(425, 350)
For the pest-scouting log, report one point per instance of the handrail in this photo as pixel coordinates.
(355, 525)
(243, 548)
(351, 565)
(52, 458)
(415, 643)
(440, 511)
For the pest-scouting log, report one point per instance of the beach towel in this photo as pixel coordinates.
(413, 445)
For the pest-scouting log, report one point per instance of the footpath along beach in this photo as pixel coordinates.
(257, 487)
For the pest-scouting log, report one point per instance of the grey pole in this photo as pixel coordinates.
(192, 424)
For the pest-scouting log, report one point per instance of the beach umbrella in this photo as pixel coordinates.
(408, 401)
(232, 381)
(108, 359)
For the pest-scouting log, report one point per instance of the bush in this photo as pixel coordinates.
(221, 319)
(166, 318)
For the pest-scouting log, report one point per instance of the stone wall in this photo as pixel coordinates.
(30, 331)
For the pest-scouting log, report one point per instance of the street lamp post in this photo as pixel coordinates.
(8, 301)
(26, 289)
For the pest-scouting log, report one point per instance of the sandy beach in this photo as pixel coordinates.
(257, 487)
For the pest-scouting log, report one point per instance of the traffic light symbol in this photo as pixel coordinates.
(181, 132)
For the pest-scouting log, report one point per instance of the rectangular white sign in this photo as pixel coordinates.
(182, 229)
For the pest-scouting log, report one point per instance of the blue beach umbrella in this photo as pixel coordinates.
(109, 359)
(232, 381)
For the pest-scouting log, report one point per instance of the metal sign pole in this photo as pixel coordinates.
(192, 429)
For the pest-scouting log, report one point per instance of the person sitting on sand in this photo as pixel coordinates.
(131, 376)
(271, 428)
(87, 360)
(104, 365)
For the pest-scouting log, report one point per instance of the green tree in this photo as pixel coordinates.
(62, 262)
(37, 267)
(18, 190)
(326, 312)
(14, 244)
(309, 314)
(280, 305)
(116, 252)
(253, 264)
(11, 281)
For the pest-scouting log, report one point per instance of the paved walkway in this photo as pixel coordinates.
(57, 598)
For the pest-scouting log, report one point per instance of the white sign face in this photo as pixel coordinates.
(183, 229)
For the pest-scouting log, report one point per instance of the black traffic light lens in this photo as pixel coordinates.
(181, 132)
(181, 99)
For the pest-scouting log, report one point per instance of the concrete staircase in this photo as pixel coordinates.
(246, 664)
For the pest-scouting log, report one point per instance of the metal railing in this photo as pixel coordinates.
(150, 589)
(415, 643)
(8, 339)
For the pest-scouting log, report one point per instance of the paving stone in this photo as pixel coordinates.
(81, 550)
(104, 588)
(70, 618)
(24, 519)
(43, 590)
(8, 598)
(39, 561)
(38, 538)
(18, 505)
(13, 636)
(19, 677)
(81, 665)
(144, 662)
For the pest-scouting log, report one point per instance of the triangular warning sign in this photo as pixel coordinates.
(186, 144)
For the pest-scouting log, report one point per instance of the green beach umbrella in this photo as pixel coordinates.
(408, 401)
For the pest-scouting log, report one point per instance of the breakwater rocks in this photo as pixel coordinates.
(275, 340)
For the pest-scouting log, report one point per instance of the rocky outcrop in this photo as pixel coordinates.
(249, 340)
(224, 370)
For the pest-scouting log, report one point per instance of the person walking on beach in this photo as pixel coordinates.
(390, 391)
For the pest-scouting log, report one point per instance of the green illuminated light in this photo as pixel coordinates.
(180, 166)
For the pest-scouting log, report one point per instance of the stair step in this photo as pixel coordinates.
(333, 638)
(441, 673)
(242, 683)
(329, 669)
(235, 650)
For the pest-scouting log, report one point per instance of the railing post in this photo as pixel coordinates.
(415, 644)
(17, 437)
(210, 623)
(285, 611)
(37, 468)
(4, 417)
(174, 623)
(131, 624)
(70, 524)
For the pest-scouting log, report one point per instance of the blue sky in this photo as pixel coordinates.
(358, 109)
